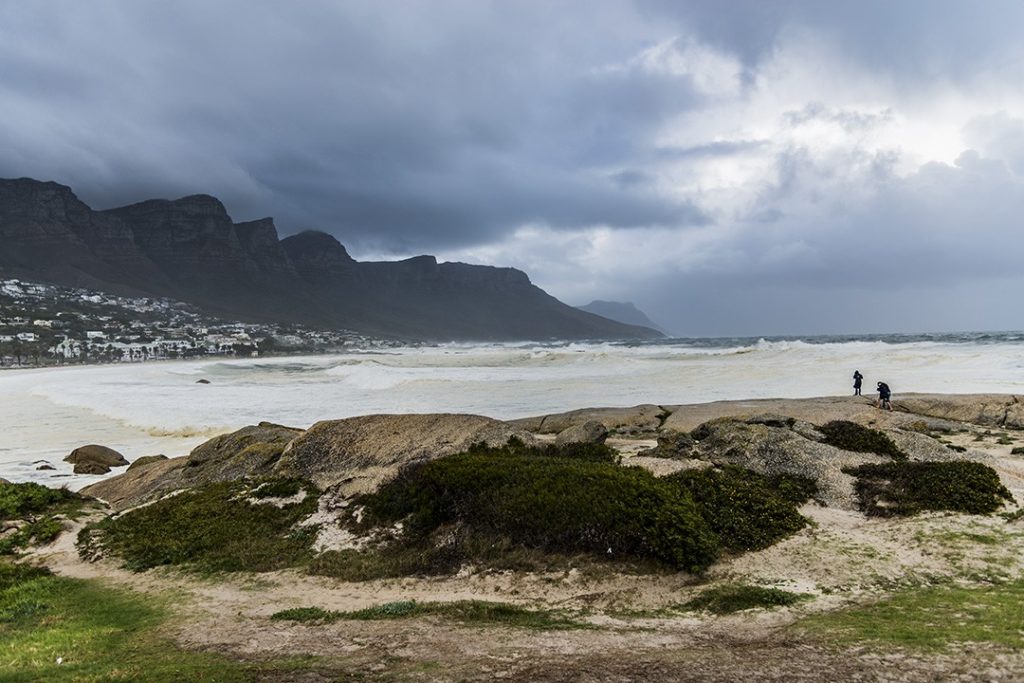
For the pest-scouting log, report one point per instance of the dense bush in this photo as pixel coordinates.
(851, 436)
(906, 488)
(558, 504)
(746, 510)
(214, 527)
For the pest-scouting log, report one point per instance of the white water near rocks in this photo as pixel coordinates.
(144, 409)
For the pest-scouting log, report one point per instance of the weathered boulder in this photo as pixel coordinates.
(145, 460)
(90, 467)
(672, 445)
(46, 466)
(100, 455)
(139, 485)
(248, 452)
(362, 452)
(642, 419)
(591, 431)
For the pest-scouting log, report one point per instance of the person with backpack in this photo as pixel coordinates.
(857, 378)
(884, 396)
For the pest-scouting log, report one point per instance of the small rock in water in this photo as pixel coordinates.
(202, 381)
(90, 467)
(46, 466)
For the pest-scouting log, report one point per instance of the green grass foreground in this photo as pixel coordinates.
(479, 612)
(100, 634)
(930, 619)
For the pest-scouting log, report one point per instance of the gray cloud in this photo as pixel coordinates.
(794, 149)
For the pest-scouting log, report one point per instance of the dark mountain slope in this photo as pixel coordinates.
(190, 249)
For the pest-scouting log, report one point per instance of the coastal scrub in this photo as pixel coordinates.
(552, 503)
(906, 488)
(34, 512)
(216, 527)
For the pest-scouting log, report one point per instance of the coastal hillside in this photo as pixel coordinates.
(190, 249)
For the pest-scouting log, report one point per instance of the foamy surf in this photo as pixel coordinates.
(152, 408)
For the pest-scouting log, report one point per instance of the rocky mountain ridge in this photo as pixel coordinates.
(190, 249)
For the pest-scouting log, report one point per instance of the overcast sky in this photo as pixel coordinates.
(740, 167)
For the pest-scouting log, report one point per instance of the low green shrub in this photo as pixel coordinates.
(1019, 450)
(36, 506)
(736, 597)
(590, 452)
(468, 611)
(278, 488)
(746, 510)
(210, 528)
(906, 488)
(851, 436)
(556, 504)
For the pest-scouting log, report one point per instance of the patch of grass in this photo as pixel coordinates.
(931, 618)
(1019, 450)
(465, 611)
(736, 597)
(906, 488)
(210, 528)
(1004, 440)
(850, 436)
(555, 504)
(746, 510)
(100, 634)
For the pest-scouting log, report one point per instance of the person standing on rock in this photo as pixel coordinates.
(884, 394)
(857, 379)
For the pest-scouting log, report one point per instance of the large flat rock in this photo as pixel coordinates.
(361, 452)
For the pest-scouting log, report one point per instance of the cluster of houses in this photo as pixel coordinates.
(45, 325)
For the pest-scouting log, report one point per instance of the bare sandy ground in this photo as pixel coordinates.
(842, 558)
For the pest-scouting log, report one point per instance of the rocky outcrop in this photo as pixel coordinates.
(139, 485)
(89, 467)
(251, 451)
(97, 455)
(591, 431)
(992, 410)
(634, 421)
(361, 452)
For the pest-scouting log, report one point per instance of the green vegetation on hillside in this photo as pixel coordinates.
(216, 527)
(36, 508)
(906, 488)
(851, 436)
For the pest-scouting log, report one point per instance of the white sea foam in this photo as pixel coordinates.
(159, 407)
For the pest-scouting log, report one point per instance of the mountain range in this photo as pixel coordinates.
(190, 249)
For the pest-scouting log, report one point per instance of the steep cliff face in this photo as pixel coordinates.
(190, 249)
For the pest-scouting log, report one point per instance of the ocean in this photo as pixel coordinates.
(149, 408)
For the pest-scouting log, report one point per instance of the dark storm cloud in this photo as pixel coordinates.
(412, 128)
(651, 149)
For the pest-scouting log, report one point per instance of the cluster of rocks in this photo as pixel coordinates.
(356, 455)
